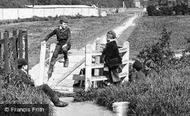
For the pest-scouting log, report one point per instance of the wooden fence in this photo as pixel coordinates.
(90, 64)
(90, 80)
(13, 46)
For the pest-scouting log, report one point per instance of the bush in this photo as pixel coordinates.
(159, 54)
(10, 93)
(166, 11)
(152, 11)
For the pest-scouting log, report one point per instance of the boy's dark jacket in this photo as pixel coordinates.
(62, 35)
(111, 51)
(25, 78)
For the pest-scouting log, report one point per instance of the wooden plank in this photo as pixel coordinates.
(25, 37)
(65, 75)
(20, 45)
(122, 50)
(99, 78)
(52, 48)
(42, 78)
(14, 52)
(97, 66)
(94, 78)
(96, 53)
(78, 77)
(88, 69)
(6, 51)
(126, 57)
(126, 61)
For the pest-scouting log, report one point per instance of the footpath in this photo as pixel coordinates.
(76, 59)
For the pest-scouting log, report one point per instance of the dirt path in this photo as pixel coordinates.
(81, 109)
(89, 108)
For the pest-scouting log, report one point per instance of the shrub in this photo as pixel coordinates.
(11, 93)
(165, 11)
(158, 54)
(151, 9)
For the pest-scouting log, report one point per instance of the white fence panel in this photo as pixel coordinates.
(59, 11)
(25, 13)
(1, 13)
(10, 13)
(15, 13)
(38, 12)
(50, 12)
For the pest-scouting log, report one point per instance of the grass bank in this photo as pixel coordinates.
(148, 31)
(162, 93)
(12, 92)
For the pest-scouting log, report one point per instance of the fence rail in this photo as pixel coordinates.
(13, 46)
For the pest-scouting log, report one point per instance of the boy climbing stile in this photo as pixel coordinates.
(63, 34)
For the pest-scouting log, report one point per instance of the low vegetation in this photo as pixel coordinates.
(166, 89)
(13, 92)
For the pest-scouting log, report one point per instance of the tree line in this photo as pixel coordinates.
(98, 3)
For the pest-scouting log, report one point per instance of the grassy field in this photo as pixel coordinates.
(83, 30)
(148, 31)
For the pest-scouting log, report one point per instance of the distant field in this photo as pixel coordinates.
(149, 28)
(83, 30)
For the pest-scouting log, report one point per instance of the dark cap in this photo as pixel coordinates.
(21, 62)
(137, 65)
(64, 20)
(112, 33)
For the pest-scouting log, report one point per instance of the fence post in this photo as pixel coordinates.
(52, 48)
(126, 58)
(88, 70)
(6, 51)
(20, 45)
(42, 63)
(25, 44)
(13, 50)
(97, 61)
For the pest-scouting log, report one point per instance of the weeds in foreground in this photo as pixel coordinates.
(14, 94)
(164, 92)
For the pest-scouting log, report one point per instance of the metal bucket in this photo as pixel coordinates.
(120, 108)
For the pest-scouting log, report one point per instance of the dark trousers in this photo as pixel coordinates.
(49, 92)
(58, 50)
